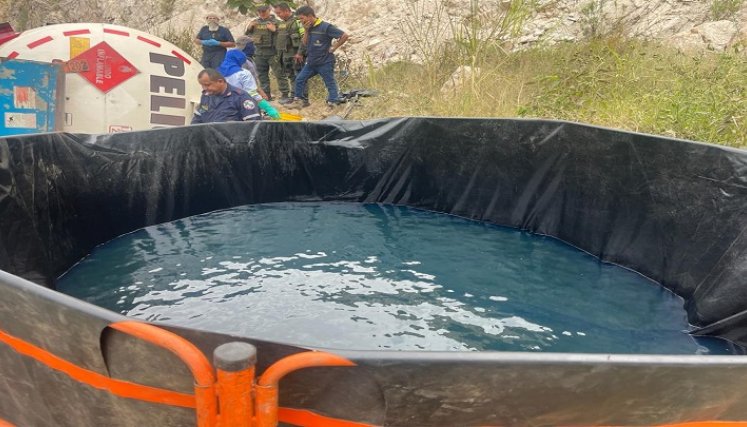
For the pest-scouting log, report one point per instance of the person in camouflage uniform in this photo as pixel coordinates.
(289, 47)
(263, 31)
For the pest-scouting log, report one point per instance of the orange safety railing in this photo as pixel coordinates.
(97, 380)
(222, 402)
(267, 387)
(202, 370)
(228, 400)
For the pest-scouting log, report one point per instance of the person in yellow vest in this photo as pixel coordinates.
(263, 31)
(289, 47)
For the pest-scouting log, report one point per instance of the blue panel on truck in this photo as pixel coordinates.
(28, 96)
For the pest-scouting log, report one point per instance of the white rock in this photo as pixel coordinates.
(718, 35)
(459, 78)
(373, 42)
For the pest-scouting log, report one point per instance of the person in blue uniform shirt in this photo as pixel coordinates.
(322, 39)
(214, 40)
(221, 102)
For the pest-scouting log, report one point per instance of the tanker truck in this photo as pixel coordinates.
(93, 78)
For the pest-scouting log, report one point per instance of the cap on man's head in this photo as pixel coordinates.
(212, 15)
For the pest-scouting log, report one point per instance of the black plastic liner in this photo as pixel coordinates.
(671, 210)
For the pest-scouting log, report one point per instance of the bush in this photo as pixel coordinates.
(725, 9)
(183, 39)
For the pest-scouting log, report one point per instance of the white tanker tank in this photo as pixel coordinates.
(116, 78)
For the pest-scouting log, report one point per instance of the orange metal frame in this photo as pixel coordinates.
(227, 401)
(94, 379)
(202, 370)
(266, 390)
(230, 392)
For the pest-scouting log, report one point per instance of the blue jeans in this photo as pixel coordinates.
(327, 71)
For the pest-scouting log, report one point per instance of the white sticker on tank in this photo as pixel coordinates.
(120, 104)
(20, 120)
(119, 128)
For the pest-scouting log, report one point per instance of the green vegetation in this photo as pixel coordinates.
(609, 81)
(184, 39)
(166, 8)
(592, 18)
(725, 9)
(642, 87)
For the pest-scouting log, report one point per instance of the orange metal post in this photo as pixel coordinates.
(235, 363)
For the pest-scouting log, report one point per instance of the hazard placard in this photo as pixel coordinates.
(107, 69)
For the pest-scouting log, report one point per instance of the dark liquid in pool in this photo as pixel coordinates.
(354, 276)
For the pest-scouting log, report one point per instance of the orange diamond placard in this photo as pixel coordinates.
(107, 69)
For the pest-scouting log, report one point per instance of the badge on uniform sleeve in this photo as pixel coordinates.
(249, 105)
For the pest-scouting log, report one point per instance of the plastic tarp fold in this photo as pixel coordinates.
(671, 210)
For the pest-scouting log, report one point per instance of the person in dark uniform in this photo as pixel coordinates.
(289, 48)
(221, 102)
(214, 40)
(246, 44)
(319, 39)
(262, 30)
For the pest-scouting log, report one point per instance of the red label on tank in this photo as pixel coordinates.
(107, 69)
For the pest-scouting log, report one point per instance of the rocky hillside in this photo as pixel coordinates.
(383, 29)
(389, 30)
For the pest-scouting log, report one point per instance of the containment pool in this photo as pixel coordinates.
(669, 212)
